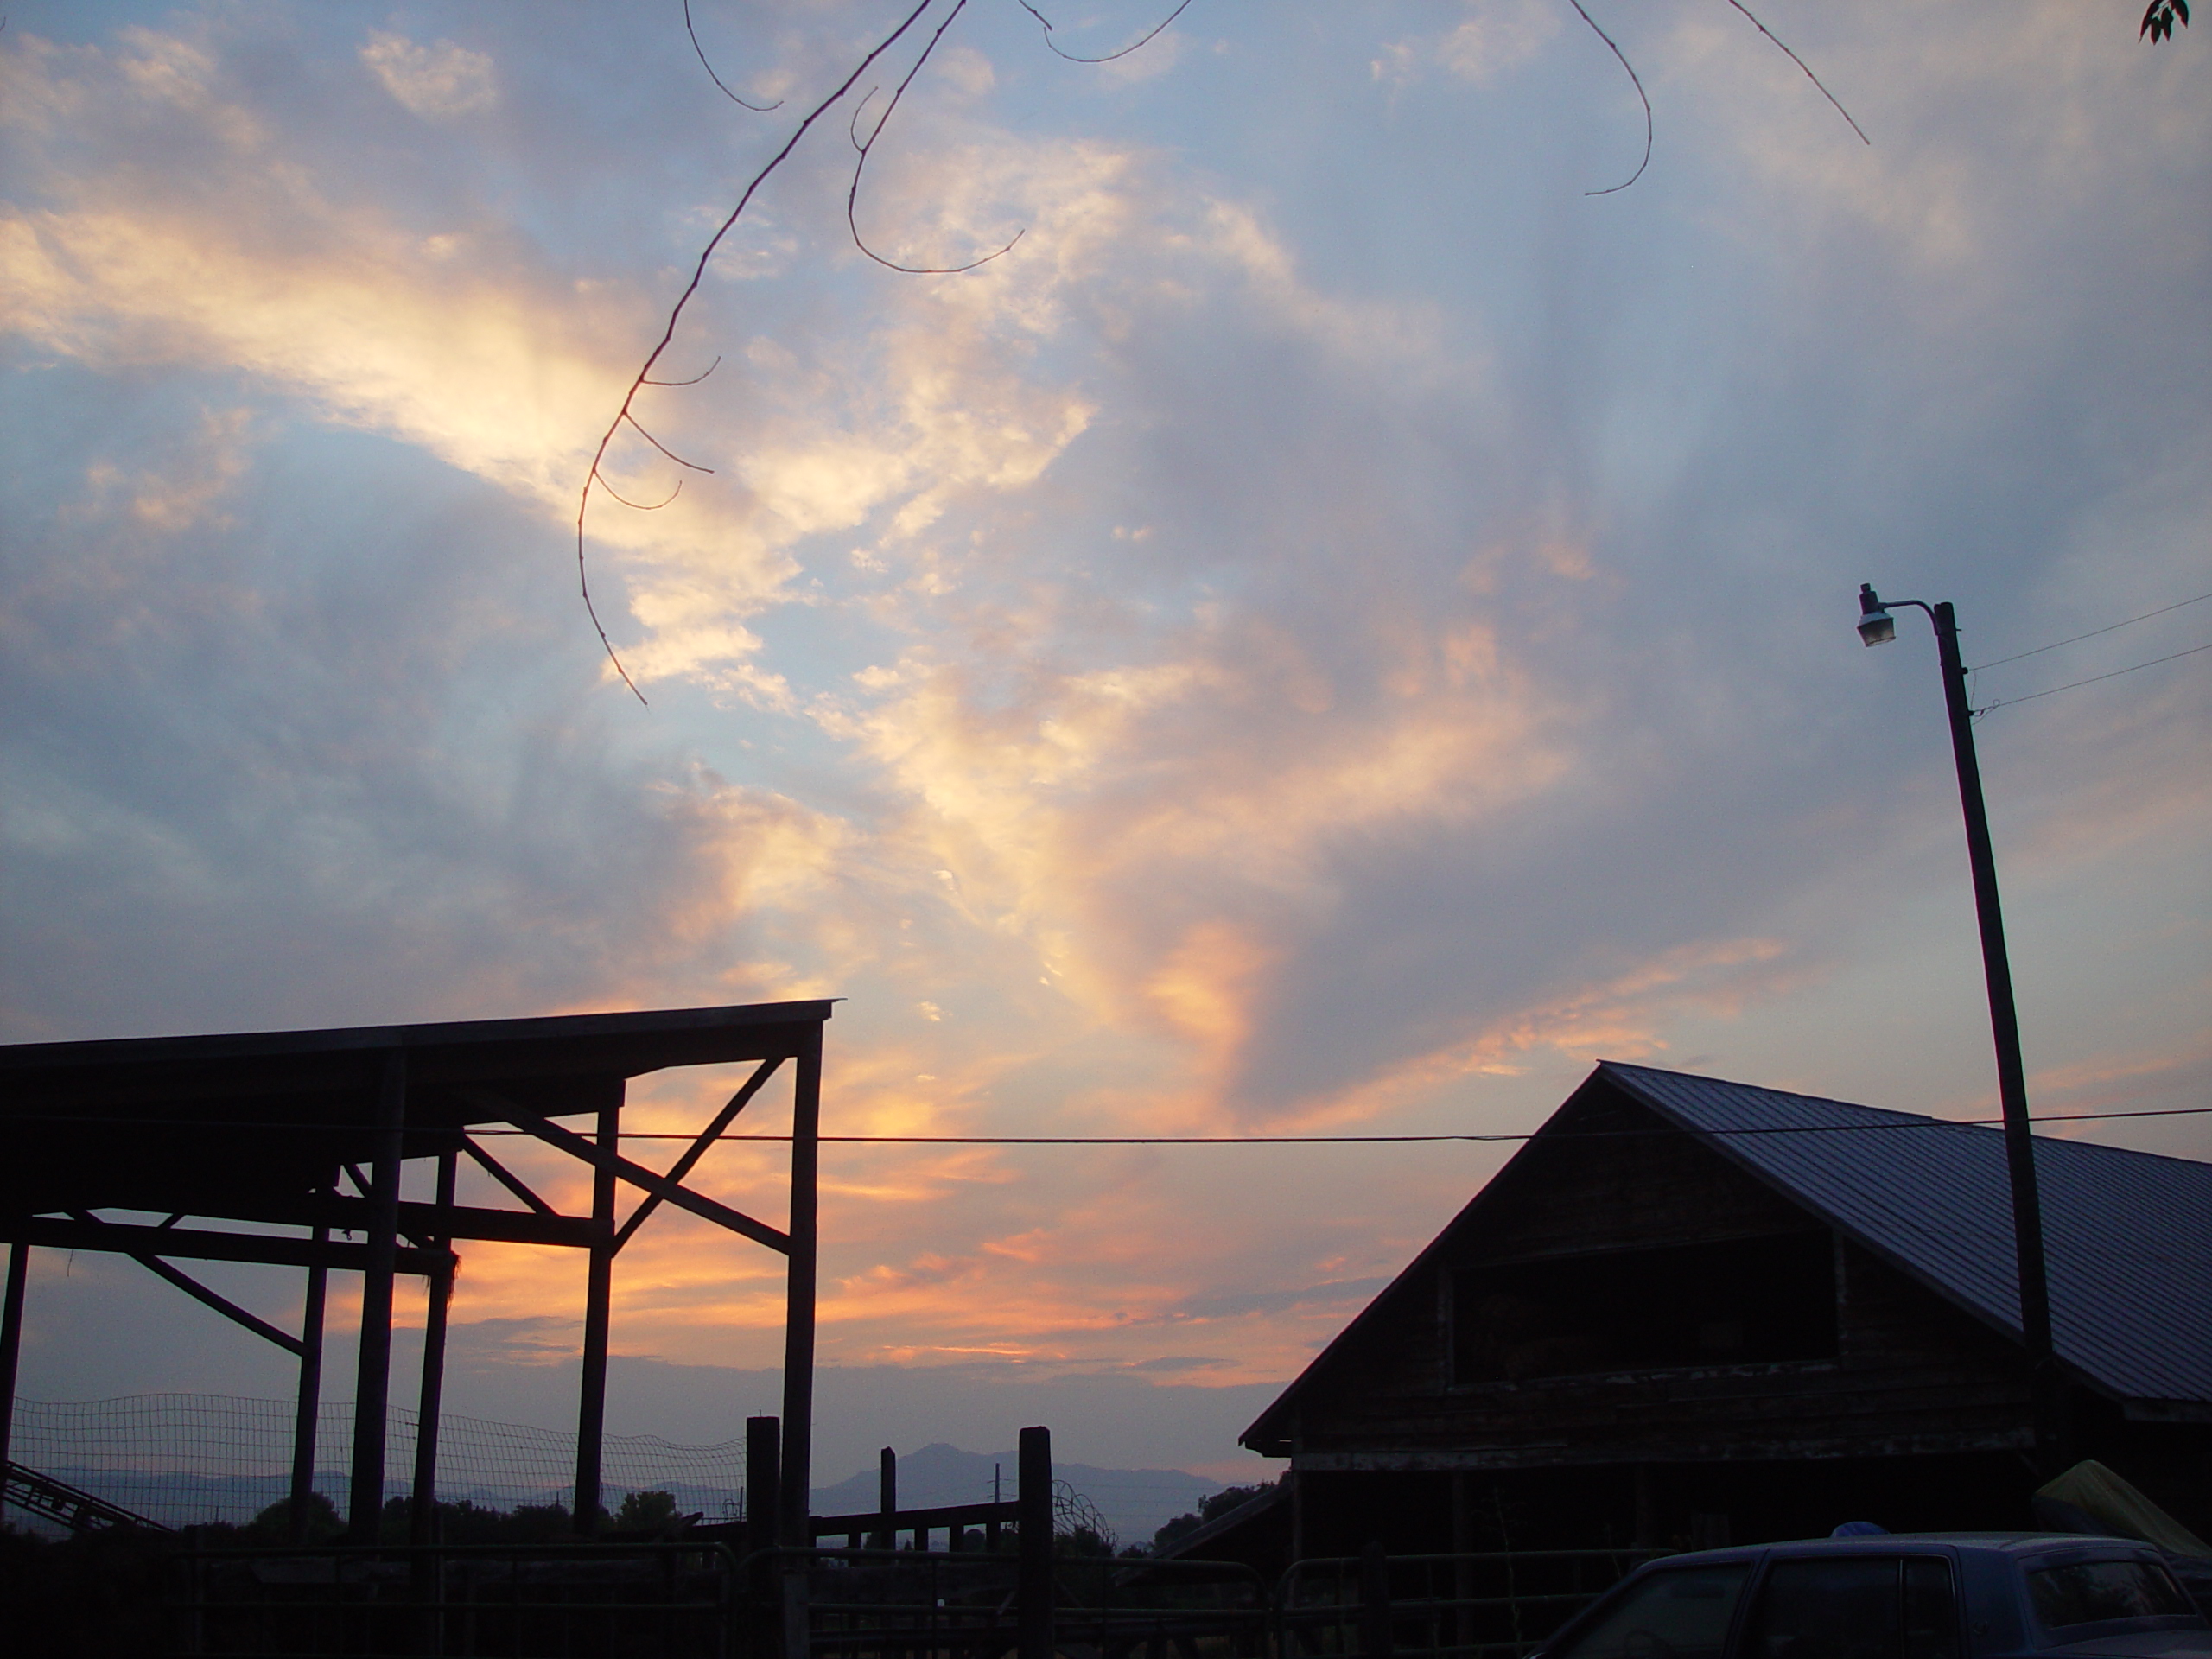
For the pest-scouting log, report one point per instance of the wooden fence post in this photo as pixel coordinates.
(1034, 1572)
(1374, 1603)
(887, 1500)
(764, 1494)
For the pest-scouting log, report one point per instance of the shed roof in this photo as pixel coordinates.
(2127, 1234)
(245, 1119)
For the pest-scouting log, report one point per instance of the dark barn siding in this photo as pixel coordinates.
(1908, 1373)
(1456, 1413)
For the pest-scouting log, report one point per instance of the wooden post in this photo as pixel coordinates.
(11, 1340)
(887, 1504)
(1374, 1602)
(372, 1378)
(307, 1415)
(1463, 1544)
(1033, 1572)
(423, 1509)
(798, 1306)
(763, 1492)
(796, 1520)
(764, 1496)
(599, 1291)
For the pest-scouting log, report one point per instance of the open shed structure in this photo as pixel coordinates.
(1688, 1310)
(302, 1136)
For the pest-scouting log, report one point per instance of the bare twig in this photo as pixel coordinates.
(662, 448)
(643, 506)
(695, 379)
(1784, 46)
(676, 315)
(864, 145)
(1637, 80)
(758, 109)
(1142, 41)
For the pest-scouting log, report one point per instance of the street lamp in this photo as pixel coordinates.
(1877, 626)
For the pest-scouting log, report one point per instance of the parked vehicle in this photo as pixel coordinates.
(1897, 1596)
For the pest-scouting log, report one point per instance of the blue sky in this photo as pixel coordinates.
(1337, 628)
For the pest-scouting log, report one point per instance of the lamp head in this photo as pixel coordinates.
(1876, 625)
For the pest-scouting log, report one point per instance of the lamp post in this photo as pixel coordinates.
(1877, 626)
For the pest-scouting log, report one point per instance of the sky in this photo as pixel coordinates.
(1346, 621)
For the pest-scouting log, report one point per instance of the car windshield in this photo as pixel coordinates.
(1682, 1613)
(2090, 1592)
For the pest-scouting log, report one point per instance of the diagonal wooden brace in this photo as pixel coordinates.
(637, 1174)
(192, 1287)
(699, 1147)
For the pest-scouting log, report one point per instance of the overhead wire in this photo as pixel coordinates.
(1902, 1122)
(2093, 633)
(2075, 639)
(2052, 692)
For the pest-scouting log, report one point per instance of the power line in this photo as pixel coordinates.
(2093, 633)
(1902, 1122)
(1410, 1140)
(2003, 703)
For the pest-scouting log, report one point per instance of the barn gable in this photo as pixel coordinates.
(1676, 1268)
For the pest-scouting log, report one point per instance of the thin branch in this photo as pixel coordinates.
(1637, 80)
(852, 192)
(676, 315)
(1137, 45)
(695, 379)
(642, 506)
(757, 109)
(659, 445)
(1784, 47)
(852, 126)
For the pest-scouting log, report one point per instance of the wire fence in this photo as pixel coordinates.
(184, 1459)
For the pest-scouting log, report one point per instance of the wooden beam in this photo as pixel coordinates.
(699, 1147)
(194, 1245)
(199, 1293)
(418, 1220)
(639, 1176)
(506, 1178)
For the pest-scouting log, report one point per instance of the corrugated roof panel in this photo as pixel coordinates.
(2127, 1236)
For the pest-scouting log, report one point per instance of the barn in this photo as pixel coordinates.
(1690, 1312)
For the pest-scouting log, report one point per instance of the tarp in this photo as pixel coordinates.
(2117, 1509)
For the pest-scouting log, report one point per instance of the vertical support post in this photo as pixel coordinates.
(763, 1489)
(799, 1306)
(1462, 1545)
(11, 1340)
(306, 1414)
(373, 1379)
(764, 1498)
(1647, 1508)
(796, 1520)
(1374, 1602)
(887, 1500)
(1033, 1570)
(2043, 1381)
(423, 1510)
(599, 1291)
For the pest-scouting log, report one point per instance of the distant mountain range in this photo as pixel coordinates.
(1136, 1503)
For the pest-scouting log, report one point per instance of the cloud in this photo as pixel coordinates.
(1498, 36)
(1333, 627)
(437, 82)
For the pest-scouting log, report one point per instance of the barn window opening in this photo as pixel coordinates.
(1746, 1301)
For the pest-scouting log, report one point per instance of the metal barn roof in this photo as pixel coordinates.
(2127, 1236)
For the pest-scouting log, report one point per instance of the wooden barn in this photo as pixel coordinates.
(1690, 1311)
